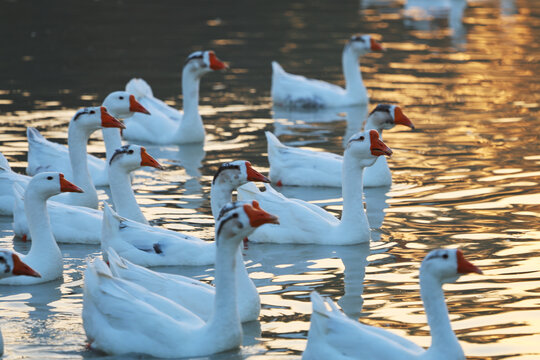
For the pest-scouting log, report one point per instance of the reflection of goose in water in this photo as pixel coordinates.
(44, 319)
(31, 312)
(290, 260)
(508, 7)
(375, 199)
(420, 14)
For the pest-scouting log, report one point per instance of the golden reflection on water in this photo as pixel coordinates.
(466, 177)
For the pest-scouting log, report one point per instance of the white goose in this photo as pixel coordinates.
(85, 223)
(166, 124)
(165, 329)
(296, 91)
(44, 155)
(192, 294)
(7, 178)
(332, 335)
(152, 246)
(44, 255)
(306, 223)
(302, 167)
(82, 125)
(11, 265)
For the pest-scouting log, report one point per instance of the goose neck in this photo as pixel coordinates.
(351, 70)
(191, 127)
(43, 243)
(224, 324)
(370, 125)
(220, 194)
(353, 213)
(113, 141)
(190, 92)
(123, 196)
(77, 145)
(443, 337)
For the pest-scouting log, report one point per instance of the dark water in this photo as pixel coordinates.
(467, 76)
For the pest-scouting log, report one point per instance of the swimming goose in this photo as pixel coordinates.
(111, 306)
(82, 125)
(44, 255)
(192, 294)
(118, 104)
(124, 161)
(7, 178)
(167, 125)
(302, 167)
(305, 223)
(11, 265)
(332, 335)
(296, 91)
(85, 223)
(152, 246)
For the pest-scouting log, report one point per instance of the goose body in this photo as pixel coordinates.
(11, 265)
(192, 294)
(165, 329)
(166, 125)
(294, 91)
(302, 167)
(44, 255)
(7, 180)
(151, 246)
(45, 155)
(332, 335)
(305, 223)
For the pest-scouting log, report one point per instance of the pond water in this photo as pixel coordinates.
(468, 176)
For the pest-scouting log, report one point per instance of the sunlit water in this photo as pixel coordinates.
(468, 176)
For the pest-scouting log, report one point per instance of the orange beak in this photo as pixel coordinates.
(135, 106)
(109, 121)
(401, 119)
(258, 216)
(215, 63)
(464, 266)
(377, 146)
(20, 268)
(254, 175)
(66, 186)
(147, 160)
(375, 46)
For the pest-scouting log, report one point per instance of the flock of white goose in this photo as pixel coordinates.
(128, 308)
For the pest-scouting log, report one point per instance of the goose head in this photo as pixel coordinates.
(123, 104)
(366, 146)
(47, 184)
(385, 117)
(11, 264)
(93, 118)
(363, 44)
(447, 265)
(132, 157)
(237, 173)
(239, 219)
(203, 62)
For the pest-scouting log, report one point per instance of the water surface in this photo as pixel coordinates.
(467, 176)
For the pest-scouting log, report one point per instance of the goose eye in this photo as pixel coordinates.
(121, 98)
(130, 152)
(235, 216)
(361, 138)
(92, 112)
(49, 177)
(445, 256)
